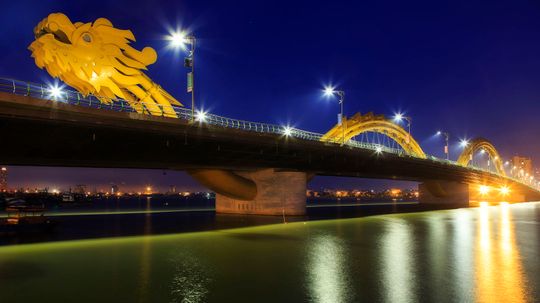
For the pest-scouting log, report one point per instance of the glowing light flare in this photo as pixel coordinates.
(179, 39)
(201, 116)
(329, 91)
(398, 117)
(504, 190)
(378, 150)
(484, 190)
(464, 143)
(55, 91)
(287, 131)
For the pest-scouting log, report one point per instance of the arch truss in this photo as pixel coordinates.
(479, 144)
(370, 123)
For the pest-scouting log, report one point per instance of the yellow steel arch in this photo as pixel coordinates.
(479, 144)
(369, 122)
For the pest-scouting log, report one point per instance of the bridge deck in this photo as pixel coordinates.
(44, 133)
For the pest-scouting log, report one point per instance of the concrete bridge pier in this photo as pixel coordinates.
(261, 192)
(444, 193)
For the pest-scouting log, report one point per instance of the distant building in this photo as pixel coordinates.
(114, 189)
(3, 179)
(522, 166)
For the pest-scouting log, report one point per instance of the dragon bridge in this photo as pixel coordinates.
(481, 144)
(97, 58)
(359, 124)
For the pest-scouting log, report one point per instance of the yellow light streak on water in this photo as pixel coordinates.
(499, 274)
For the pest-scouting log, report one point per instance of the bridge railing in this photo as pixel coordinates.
(72, 97)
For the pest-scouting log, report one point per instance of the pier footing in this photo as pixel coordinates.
(278, 193)
(444, 192)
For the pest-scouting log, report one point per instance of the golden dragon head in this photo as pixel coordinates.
(97, 58)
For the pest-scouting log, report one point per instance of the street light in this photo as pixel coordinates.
(287, 131)
(180, 39)
(55, 91)
(398, 117)
(446, 147)
(201, 116)
(464, 143)
(330, 91)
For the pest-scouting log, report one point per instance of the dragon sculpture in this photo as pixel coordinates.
(96, 58)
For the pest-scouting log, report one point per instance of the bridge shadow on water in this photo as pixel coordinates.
(92, 226)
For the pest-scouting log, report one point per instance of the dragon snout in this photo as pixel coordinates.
(56, 24)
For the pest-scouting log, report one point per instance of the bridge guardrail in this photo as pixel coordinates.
(75, 98)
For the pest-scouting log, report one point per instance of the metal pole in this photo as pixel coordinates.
(447, 137)
(192, 79)
(341, 100)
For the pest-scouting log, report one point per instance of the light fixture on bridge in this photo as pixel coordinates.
(55, 91)
(201, 116)
(446, 146)
(464, 143)
(482, 151)
(398, 117)
(504, 190)
(178, 39)
(378, 150)
(329, 90)
(287, 131)
(484, 189)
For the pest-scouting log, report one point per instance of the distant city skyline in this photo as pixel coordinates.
(160, 180)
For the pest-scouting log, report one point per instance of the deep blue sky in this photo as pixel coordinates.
(469, 67)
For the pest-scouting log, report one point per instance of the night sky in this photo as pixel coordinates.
(471, 68)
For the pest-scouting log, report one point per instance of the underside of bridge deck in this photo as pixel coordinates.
(41, 133)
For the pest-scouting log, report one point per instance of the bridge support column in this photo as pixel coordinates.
(444, 193)
(278, 193)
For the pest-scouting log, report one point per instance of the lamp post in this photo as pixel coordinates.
(446, 147)
(179, 40)
(330, 91)
(400, 117)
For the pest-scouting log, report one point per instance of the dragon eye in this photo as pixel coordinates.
(87, 38)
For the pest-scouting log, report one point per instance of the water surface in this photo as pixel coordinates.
(487, 254)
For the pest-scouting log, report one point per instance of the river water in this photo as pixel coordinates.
(485, 254)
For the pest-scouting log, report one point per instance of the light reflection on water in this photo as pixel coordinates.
(462, 261)
(145, 267)
(327, 270)
(463, 255)
(397, 253)
(190, 281)
(499, 273)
